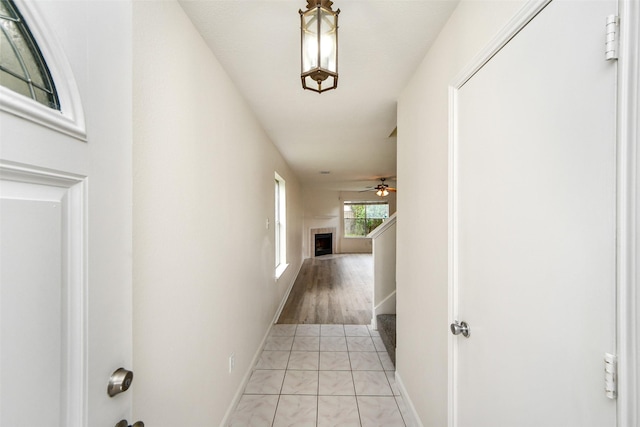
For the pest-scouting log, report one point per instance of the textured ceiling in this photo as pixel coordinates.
(344, 131)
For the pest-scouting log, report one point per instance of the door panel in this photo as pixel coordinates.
(31, 351)
(66, 312)
(42, 300)
(535, 231)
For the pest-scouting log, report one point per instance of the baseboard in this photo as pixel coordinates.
(387, 305)
(286, 295)
(256, 356)
(245, 380)
(413, 414)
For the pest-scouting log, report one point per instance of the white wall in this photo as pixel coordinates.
(422, 246)
(204, 284)
(384, 267)
(354, 244)
(324, 208)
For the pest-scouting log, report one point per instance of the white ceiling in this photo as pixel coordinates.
(344, 131)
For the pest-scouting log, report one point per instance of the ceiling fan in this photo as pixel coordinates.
(382, 189)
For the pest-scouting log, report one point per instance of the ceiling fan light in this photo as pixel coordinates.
(319, 46)
(385, 192)
(379, 193)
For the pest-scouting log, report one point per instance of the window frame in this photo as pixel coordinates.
(280, 225)
(69, 120)
(365, 203)
(47, 85)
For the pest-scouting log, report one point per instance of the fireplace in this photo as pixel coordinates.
(323, 244)
(313, 232)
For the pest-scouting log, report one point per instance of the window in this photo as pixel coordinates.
(361, 218)
(280, 225)
(22, 67)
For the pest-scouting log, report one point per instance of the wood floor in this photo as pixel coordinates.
(332, 289)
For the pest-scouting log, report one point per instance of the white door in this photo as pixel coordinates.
(65, 225)
(534, 226)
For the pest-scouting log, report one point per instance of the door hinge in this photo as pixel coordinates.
(610, 375)
(612, 37)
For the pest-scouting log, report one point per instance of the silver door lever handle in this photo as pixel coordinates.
(458, 328)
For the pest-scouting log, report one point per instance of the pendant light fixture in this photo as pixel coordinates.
(382, 192)
(383, 188)
(319, 46)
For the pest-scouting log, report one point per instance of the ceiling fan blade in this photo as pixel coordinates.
(391, 189)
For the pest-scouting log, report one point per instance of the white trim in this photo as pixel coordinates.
(256, 356)
(245, 380)
(511, 29)
(73, 199)
(70, 119)
(414, 418)
(386, 224)
(452, 258)
(280, 225)
(286, 295)
(280, 270)
(386, 300)
(386, 306)
(628, 200)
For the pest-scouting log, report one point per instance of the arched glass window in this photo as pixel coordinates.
(22, 67)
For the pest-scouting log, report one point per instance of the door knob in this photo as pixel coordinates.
(458, 328)
(125, 423)
(119, 382)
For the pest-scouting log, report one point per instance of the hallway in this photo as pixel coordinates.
(158, 210)
(321, 375)
(332, 289)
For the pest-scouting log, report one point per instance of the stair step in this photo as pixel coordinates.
(387, 329)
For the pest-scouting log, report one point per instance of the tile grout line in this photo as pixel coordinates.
(318, 393)
(281, 385)
(318, 370)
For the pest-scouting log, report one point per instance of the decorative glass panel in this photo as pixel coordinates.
(309, 41)
(328, 41)
(15, 84)
(22, 67)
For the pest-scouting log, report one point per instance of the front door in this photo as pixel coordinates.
(534, 226)
(65, 227)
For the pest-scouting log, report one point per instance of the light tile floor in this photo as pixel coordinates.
(322, 375)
